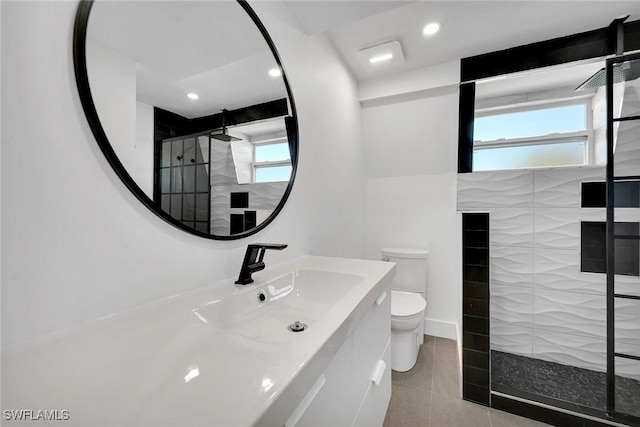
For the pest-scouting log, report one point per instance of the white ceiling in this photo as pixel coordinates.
(467, 27)
(212, 47)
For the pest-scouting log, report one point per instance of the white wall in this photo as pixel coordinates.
(112, 78)
(143, 150)
(411, 159)
(77, 245)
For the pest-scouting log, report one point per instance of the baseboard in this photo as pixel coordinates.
(438, 328)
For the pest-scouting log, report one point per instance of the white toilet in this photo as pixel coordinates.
(408, 304)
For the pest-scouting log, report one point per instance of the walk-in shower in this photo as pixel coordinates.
(563, 259)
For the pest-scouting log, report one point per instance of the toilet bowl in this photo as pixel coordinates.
(408, 305)
(407, 325)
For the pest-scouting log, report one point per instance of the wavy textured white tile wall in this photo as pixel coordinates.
(512, 266)
(583, 352)
(627, 154)
(273, 193)
(511, 227)
(223, 170)
(512, 305)
(627, 321)
(570, 313)
(535, 238)
(501, 189)
(561, 188)
(559, 270)
(559, 228)
(511, 339)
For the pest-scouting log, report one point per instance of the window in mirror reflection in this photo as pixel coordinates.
(272, 162)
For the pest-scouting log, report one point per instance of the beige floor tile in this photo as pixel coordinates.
(446, 371)
(446, 343)
(420, 376)
(409, 407)
(454, 412)
(505, 419)
(429, 340)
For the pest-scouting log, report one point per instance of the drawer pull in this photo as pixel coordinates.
(378, 372)
(381, 298)
(306, 401)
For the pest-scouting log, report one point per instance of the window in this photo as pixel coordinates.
(551, 134)
(272, 161)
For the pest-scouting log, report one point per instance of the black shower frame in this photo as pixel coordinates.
(611, 179)
(84, 91)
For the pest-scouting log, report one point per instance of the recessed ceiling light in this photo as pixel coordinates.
(275, 72)
(380, 58)
(430, 29)
(193, 96)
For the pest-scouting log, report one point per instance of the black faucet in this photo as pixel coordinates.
(253, 260)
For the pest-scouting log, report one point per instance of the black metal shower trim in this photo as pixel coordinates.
(84, 91)
(575, 47)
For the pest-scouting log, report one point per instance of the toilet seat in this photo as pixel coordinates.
(405, 305)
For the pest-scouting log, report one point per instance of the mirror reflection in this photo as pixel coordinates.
(194, 104)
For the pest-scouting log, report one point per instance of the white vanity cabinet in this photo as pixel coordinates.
(355, 388)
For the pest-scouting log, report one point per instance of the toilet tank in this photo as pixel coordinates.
(411, 269)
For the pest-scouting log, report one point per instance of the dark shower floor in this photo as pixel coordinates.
(577, 389)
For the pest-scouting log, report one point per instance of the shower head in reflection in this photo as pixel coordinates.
(222, 135)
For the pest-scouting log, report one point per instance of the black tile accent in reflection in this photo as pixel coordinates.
(475, 307)
(236, 223)
(535, 412)
(475, 393)
(476, 342)
(250, 220)
(240, 200)
(476, 290)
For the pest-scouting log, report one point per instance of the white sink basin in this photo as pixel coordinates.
(264, 311)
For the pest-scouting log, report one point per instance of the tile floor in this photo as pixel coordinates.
(429, 394)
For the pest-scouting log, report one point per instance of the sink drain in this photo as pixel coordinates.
(297, 326)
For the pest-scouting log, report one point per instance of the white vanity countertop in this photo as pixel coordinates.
(159, 365)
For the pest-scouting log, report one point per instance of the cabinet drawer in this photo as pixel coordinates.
(369, 342)
(374, 405)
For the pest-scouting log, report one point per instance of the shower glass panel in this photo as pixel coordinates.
(184, 180)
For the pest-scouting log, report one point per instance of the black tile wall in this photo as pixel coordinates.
(475, 319)
(475, 342)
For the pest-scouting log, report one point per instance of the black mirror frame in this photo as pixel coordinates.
(82, 81)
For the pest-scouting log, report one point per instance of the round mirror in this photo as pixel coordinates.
(189, 102)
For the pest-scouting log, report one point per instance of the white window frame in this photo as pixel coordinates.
(268, 164)
(554, 138)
